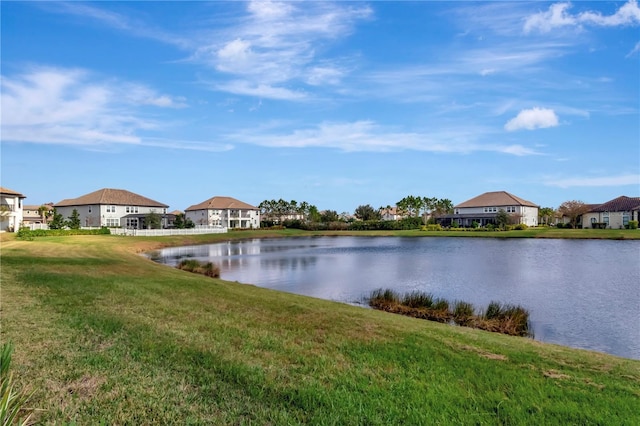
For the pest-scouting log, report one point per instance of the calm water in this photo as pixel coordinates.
(580, 293)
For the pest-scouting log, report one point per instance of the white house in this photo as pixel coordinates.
(484, 208)
(614, 214)
(11, 210)
(113, 208)
(226, 212)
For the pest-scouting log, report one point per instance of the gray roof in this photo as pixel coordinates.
(105, 196)
(496, 199)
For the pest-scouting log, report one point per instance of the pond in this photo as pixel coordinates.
(580, 293)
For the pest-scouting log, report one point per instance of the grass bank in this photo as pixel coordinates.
(103, 334)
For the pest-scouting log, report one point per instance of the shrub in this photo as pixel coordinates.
(418, 299)
(463, 313)
(521, 227)
(192, 265)
(633, 224)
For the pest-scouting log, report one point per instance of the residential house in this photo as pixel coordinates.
(484, 208)
(614, 214)
(32, 214)
(390, 213)
(11, 210)
(225, 212)
(113, 208)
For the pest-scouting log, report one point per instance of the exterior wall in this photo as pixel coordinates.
(615, 220)
(226, 218)
(11, 219)
(106, 215)
(528, 215)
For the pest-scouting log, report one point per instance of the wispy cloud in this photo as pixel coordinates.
(534, 118)
(634, 51)
(558, 16)
(275, 47)
(369, 136)
(73, 107)
(584, 181)
(121, 22)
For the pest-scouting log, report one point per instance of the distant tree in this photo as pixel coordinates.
(573, 210)
(329, 216)
(153, 220)
(314, 214)
(74, 220)
(57, 220)
(182, 222)
(410, 205)
(502, 218)
(366, 212)
(546, 215)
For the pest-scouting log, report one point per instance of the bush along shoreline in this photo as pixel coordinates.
(497, 317)
(207, 269)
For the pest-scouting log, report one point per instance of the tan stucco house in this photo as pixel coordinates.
(11, 209)
(225, 212)
(484, 208)
(614, 214)
(113, 208)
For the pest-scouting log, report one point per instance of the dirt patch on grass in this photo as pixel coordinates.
(553, 374)
(85, 387)
(483, 353)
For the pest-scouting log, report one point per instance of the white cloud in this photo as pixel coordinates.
(558, 16)
(72, 107)
(620, 180)
(276, 44)
(635, 50)
(248, 88)
(530, 119)
(366, 135)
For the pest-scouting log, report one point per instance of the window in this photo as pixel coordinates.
(111, 209)
(90, 209)
(111, 222)
(511, 209)
(625, 219)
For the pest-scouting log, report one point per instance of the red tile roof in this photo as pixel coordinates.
(496, 199)
(620, 204)
(118, 197)
(221, 203)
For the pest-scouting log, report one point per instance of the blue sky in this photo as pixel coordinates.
(338, 104)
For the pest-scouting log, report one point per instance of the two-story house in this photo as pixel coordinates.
(484, 208)
(225, 212)
(113, 208)
(11, 209)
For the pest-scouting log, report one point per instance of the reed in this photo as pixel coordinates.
(501, 318)
(207, 269)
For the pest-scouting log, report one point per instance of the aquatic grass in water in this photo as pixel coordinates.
(207, 269)
(506, 319)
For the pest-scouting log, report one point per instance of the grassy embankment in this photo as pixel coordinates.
(103, 334)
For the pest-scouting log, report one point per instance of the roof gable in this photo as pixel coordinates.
(620, 204)
(495, 199)
(221, 203)
(7, 191)
(105, 196)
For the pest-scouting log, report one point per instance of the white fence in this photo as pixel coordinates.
(164, 232)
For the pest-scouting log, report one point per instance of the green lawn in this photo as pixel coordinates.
(104, 335)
